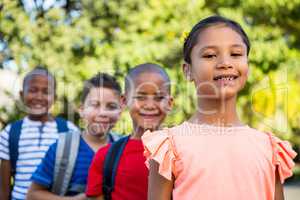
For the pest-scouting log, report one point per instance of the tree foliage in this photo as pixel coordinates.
(75, 39)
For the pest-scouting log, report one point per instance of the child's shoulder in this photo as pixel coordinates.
(258, 133)
(18, 122)
(160, 146)
(103, 151)
(283, 153)
(165, 134)
(269, 136)
(72, 126)
(167, 131)
(21, 120)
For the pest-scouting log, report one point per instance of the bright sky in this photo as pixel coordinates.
(29, 4)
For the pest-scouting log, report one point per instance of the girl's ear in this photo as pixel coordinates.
(187, 71)
(248, 72)
(21, 93)
(123, 102)
(170, 104)
(80, 111)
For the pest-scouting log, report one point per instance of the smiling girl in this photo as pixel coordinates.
(213, 155)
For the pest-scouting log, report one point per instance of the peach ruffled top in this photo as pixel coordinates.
(219, 163)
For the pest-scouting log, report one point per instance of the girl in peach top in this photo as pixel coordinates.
(213, 156)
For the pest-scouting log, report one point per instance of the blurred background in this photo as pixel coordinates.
(75, 39)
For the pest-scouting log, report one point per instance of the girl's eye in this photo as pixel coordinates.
(47, 92)
(112, 106)
(32, 90)
(94, 105)
(209, 55)
(236, 54)
(158, 98)
(140, 98)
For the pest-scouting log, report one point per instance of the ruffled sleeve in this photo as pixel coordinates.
(159, 146)
(283, 156)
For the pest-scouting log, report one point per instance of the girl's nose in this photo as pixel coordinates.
(39, 95)
(102, 111)
(150, 103)
(224, 62)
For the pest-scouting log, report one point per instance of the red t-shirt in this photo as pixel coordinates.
(131, 180)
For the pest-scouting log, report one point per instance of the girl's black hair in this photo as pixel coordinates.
(192, 38)
(100, 80)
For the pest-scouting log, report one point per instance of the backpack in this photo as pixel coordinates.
(110, 167)
(14, 137)
(66, 155)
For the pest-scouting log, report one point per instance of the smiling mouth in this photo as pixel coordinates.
(225, 77)
(39, 106)
(102, 122)
(149, 115)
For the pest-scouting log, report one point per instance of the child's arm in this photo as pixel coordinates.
(159, 188)
(278, 187)
(38, 192)
(42, 180)
(5, 177)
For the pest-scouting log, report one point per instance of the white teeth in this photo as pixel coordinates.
(38, 106)
(227, 78)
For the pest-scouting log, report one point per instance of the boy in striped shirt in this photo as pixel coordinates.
(37, 131)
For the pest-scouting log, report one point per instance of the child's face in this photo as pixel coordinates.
(149, 101)
(101, 110)
(38, 95)
(219, 66)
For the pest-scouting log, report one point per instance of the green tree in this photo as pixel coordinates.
(75, 39)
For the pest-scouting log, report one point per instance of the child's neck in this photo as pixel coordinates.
(217, 112)
(95, 142)
(137, 133)
(42, 118)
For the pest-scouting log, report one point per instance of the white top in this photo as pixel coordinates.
(35, 139)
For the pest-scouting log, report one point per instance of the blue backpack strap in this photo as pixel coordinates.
(113, 136)
(13, 144)
(111, 163)
(61, 125)
(110, 138)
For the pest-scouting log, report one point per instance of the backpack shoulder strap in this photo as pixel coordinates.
(111, 162)
(113, 137)
(110, 138)
(66, 154)
(13, 144)
(62, 125)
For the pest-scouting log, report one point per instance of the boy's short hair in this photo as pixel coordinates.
(143, 68)
(100, 80)
(39, 70)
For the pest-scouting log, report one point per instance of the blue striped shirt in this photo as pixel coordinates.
(35, 139)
